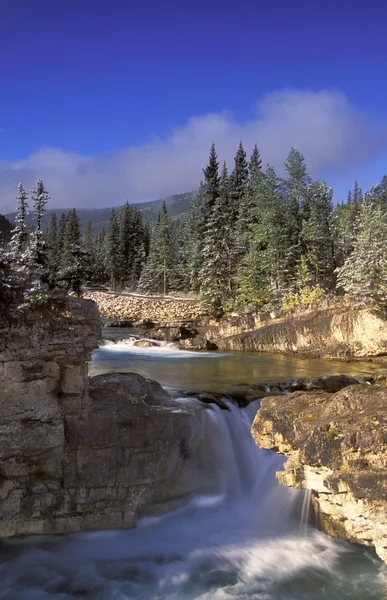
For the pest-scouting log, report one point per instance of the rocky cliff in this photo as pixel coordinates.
(338, 328)
(77, 456)
(337, 447)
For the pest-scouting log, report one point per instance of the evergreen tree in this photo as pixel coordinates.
(75, 270)
(62, 234)
(239, 183)
(296, 209)
(73, 231)
(53, 252)
(260, 275)
(36, 254)
(112, 245)
(365, 271)
(215, 275)
(317, 237)
(5, 231)
(19, 237)
(88, 237)
(159, 273)
(255, 164)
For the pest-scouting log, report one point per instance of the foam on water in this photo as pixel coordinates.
(168, 349)
(236, 542)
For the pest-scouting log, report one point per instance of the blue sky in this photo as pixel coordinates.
(108, 100)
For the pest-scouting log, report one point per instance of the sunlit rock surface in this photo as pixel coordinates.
(339, 328)
(337, 447)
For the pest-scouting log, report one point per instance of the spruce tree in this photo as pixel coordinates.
(255, 164)
(159, 273)
(215, 275)
(260, 276)
(365, 270)
(53, 251)
(112, 245)
(36, 255)
(296, 209)
(73, 230)
(317, 236)
(19, 237)
(239, 182)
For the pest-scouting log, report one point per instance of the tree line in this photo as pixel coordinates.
(252, 240)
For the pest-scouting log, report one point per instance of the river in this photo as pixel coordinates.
(243, 541)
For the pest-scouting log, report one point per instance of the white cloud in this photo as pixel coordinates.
(323, 125)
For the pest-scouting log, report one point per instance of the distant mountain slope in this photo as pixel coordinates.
(177, 206)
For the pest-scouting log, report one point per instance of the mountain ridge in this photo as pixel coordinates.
(177, 206)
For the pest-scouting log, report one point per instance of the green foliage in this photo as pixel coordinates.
(364, 272)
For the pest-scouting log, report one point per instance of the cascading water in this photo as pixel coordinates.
(236, 541)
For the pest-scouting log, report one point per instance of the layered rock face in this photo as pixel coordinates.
(338, 328)
(337, 447)
(162, 311)
(74, 456)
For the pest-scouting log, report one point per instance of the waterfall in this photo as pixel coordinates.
(235, 541)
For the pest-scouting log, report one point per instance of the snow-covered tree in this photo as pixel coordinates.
(365, 270)
(19, 237)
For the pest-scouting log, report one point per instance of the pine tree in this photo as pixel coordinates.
(317, 236)
(36, 254)
(62, 234)
(73, 230)
(296, 209)
(112, 244)
(39, 198)
(215, 275)
(160, 273)
(255, 164)
(260, 276)
(239, 183)
(19, 237)
(365, 270)
(87, 237)
(5, 231)
(53, 252)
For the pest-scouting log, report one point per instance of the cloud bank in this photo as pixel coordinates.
(323, 125)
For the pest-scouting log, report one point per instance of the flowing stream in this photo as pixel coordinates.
(248, 538)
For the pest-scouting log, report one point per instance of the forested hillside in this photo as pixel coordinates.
(251, 240)
(177, 205)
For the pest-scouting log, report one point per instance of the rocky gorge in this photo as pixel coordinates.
(82, 454)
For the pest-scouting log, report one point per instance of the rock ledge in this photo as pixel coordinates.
(337, 447)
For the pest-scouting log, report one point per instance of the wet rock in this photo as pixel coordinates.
(198, 344)
(171, 334)
(337, 447)
(331, 383)
(210, 398)
(146, 323)
(145, 344)
(123, 323)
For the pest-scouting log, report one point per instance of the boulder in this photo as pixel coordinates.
(145, 344)
(198, 344)
(171, 334)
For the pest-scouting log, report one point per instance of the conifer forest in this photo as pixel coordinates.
(251, 241)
